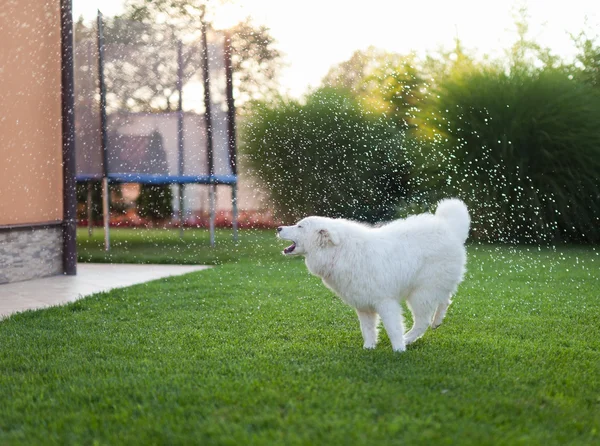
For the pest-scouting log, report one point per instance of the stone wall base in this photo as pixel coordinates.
(30, 252)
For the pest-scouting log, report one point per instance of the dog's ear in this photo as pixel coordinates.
(327, 236)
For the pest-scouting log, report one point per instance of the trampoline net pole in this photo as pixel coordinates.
(209, 128)
(106, 213)
(211, 192)
(180, 211)
(90, 187)
(231, 130)
(234, 211)
(180, 134)
(104, 135)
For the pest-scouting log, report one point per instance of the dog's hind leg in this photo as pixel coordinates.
(422, 304)
(390, 312)
(368, 326)
(440, 313)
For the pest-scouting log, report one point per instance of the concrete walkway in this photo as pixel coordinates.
(91, 278)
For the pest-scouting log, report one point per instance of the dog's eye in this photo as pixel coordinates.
(299, 226)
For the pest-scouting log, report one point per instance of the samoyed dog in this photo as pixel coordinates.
(420, 259)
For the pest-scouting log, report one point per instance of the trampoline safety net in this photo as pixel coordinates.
(129, 120)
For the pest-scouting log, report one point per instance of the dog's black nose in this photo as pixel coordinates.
(279, 228)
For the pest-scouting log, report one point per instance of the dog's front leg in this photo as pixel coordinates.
(391, 315)
(368, 326)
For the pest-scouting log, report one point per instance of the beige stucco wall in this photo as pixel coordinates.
(30, 112)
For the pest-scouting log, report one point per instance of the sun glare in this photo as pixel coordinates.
(228, 15)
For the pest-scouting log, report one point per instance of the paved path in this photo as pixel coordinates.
(91, 278)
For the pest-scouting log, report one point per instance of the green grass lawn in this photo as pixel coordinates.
(166, 246)
(257, 351)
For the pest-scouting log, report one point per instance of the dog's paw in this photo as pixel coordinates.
(369, 346)
(399, 349)
(409, 340)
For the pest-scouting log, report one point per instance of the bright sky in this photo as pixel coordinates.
(316, 34)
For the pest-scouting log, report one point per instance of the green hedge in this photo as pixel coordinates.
(522, 149)
(327, 157)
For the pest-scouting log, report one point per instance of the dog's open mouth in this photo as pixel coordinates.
(290, 249)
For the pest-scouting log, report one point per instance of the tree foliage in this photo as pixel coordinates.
(588, 57)
(256, 60)
(386, 83)
(141, 54)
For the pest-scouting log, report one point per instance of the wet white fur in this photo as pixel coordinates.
(420, 259)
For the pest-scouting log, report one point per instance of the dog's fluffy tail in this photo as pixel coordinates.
(456, 215)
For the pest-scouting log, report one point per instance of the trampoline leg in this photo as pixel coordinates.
(106, 213)
(211, 195)
(180, 191)
(234, 212)
(89, 207)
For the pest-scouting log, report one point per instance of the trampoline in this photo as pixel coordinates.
(115, 144)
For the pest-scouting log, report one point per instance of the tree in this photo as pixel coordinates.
(443, 64)
(350, 75)
(141, 54)
(526, 55)
(386, 83)
(588, 58)
(141, 65)
(256, 61)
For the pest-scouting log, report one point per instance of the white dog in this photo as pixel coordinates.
(420, 259)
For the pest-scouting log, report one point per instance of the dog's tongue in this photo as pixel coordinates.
(290, 248)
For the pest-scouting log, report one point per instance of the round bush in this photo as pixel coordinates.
(327, 157)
